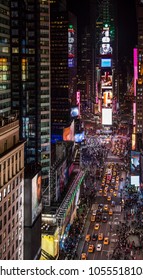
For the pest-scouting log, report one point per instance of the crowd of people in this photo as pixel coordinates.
(130, 232)
(94, 153)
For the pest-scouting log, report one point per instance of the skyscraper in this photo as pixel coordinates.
(63, 67)
(30, 45)
(11, 155)
(138, 78)
(5, 90)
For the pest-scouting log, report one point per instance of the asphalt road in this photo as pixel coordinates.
(108, 228)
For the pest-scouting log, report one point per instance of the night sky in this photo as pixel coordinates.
(127, 29)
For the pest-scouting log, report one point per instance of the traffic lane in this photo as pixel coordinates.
(97, 255)
(91, 231)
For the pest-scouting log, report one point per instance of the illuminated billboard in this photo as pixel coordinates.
(105, 46)
(106, 62)
(135, 163)
(106, 116)
(74, 112)
(135, 180)
(79, 137)
(71, 40)
(106, 80)
(78, 100)
(107, 97)
(68, 133)
(36, 197)
(133, 141)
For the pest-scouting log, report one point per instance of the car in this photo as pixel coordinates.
(115, 194)
(99, 211)
(94, 237)
(106, 207)
(88, 238)
(98, 247)
(109, 198)
(98, 218)
(83, 256)
(116, 188)
(100, 236)
(100, 206)
(111, 190)
(94, 212)
(92, 219)
(104, 219)
(100, 190)
(110, 212)
(91, 248)
(113, 203)
(106, 240)
(96, 227)
(105, 194)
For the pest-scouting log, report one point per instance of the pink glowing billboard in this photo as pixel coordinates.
(135, 69)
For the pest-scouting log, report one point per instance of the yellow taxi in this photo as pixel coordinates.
(96, 226)
(100, 236)
(106, 240)
(115, 194)
(111, 190)
(91, 248)
(106, 207)
(88, 237)
(109, 198)
(83, 256)
(92, 219)
(110, 212)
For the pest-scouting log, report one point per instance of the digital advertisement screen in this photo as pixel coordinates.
(79, 137)
(71, 62)
(36, 197)
(74, 112)
(135, 180)
(107, 97)
(106, 80)
(68, 133)
(105, 62)
(71, 41)
(135, 163)
(55, 138)
(106, 116)
(105, 49)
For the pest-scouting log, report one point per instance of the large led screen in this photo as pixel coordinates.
(68, 133)
(106, 116)
(105, 62)
(135, 180)
(74, 112)
(135, 163)
(36, 197)
(106, 81)
(105, 49)
(79, 137)
(107, 97)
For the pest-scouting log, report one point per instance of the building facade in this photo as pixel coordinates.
(30, 55)
(11, 191)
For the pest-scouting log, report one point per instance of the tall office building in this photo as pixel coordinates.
(30, 47)
(63, 67)
(11, 155)
(138, 78)
(5, 79)
(11, 191)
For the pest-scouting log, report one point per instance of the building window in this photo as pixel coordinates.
(5, 206)
(4, 192)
